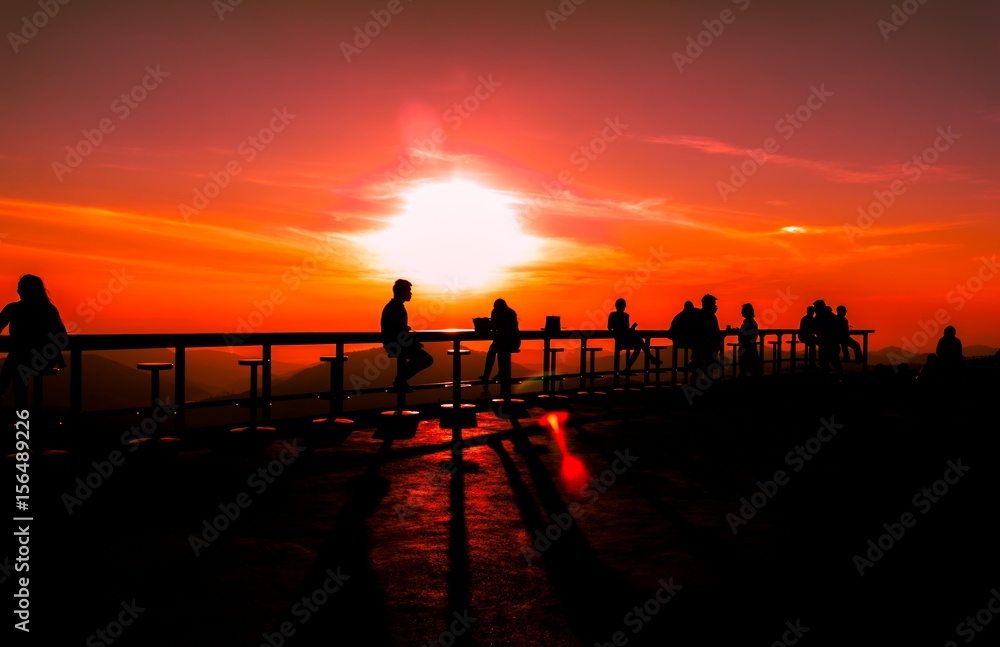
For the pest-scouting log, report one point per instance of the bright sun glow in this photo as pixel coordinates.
(454, 234)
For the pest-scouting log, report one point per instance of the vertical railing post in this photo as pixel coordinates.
(546, 344)
(265, 385)
(180, 370)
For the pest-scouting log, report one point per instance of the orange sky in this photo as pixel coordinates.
(841, 103)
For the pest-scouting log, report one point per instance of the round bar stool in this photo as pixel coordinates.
(659, 369)
(162, 442)
(398, 423)
(154, 369)
(336, 395)
(775, 361)
(793, 344)
(735, 352)
(553, 352)
(319, 435)
(592, 373)
(252, 427)
(465, 416)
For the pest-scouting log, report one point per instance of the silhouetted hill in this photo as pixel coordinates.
(895, 355)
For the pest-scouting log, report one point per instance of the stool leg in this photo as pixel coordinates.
(617, 366)
(400, 393)
(333, 381)
(154, 391)
(253, 397)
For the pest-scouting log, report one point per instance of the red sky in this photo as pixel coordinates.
(646, 218)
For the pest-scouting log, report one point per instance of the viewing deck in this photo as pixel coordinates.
(772, 342)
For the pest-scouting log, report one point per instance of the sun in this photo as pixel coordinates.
(454, 234)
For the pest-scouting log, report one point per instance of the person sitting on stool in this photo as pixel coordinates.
(397, 340)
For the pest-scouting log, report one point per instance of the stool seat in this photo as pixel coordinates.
(595, 350)
(250, 362)
(332, 358)
(397, 424)
(462, 351)
(154, 366)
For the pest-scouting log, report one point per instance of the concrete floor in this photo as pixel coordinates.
(421, 541)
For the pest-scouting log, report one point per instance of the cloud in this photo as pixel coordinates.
(838, 172)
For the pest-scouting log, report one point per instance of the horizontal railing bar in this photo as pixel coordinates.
(140, 341)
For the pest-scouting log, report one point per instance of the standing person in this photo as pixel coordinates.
(396, 338)
(807, 335)
(749, 361)
(627, 338)
(827, 337)
(35, 325)
(949, 354)
(506, 338)
(683, 326)
(847, 343)
(708, 335)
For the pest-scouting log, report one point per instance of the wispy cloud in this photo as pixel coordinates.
(839, 172)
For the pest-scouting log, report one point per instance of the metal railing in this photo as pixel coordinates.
(180, 343)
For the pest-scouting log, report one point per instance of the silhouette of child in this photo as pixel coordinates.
(35, 325)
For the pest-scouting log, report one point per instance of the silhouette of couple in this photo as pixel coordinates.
(34, 323)
(698, 330)
(410, 354)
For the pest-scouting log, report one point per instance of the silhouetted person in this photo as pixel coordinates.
(37, 337)
(949, 354)
(827, 337)
(684, 326)
(626, 337)
(708, 335)
(396, 338)
(506, 338)
(749, 358)
(846, 341)
(807, 335)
